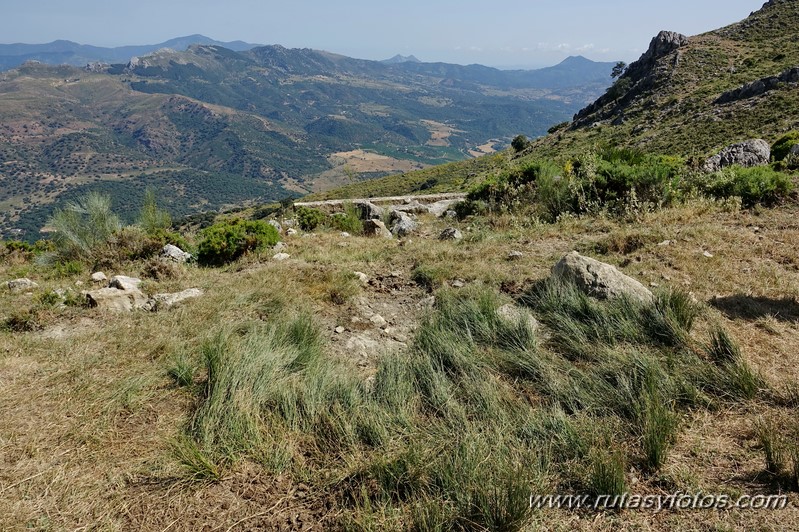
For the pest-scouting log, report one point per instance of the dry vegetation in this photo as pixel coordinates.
(95, 431)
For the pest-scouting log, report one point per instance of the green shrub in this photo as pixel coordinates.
(82, 226)
(309, 219)
(348, 220)
(227, 241)
(151, 218)
(761, 184)
(781, 148)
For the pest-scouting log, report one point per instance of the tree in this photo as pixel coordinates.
(519, 142)
(151, 218)
(618, 69)
(82, 225)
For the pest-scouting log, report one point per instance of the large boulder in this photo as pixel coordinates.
(21, 285)
(598, 279)
(368, 210)
(402, 224)
(376, 228)
(755, 152)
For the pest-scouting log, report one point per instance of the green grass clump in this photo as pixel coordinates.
(226, 241)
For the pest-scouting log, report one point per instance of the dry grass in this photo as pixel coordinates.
(89, 415)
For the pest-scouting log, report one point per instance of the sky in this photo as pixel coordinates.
(505, 34)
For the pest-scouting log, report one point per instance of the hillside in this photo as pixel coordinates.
(686, 97)
(210, 127)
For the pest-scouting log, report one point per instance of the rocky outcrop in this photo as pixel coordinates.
(756, 152)
(598, 279)
(21, 285)
(368, 210)
(123, 282)
(759, 87)
(115, 299)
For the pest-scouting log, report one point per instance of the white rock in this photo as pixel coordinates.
(280, 256)
(378, 320)
(115, 299)
(340, 329)
(598, 279)
(165, 301)
(123, 282)
(99, 277)
(708, 254)
(175, 254)
(362, 277)
(291, 231)
(344, 234)
(515, 255)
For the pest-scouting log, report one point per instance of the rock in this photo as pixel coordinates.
(411, 206)
(291, 231)
(116, 299)
(340, 329)
(440, 208)
(99, 277)
(362, 277)
(280, 257)
(402, 224)
(794, 150)
(20, 285)
(165, 301)
(376, 228)
(514, 314)
(598, 279)
(515, 255)
(289, 222)
(279, 246)
(378, 321)
(450, 233)
(664, 243)
(708, 254)
(457, 283)
(175, 254)
(276, 225)
(756, 152)
(368, 210)
(123, 282)
(344, 234)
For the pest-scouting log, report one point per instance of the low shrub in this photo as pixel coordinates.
(309, 219)
(348, 220)
(227, 241)
(760, 184)
(782, 147)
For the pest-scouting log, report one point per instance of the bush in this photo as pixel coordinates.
(761, 184)
(348, 220)
(519, 143)
(309, 219)
(82, 226)
(227, 241)
(781, 148)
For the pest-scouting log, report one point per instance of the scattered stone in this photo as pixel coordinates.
(457, 283)
(515, 255)
(362, 277)
(99, 277)
(123, 282)
(344, 234)
(664, 243)
(515, 314)
(395, 274)
(280, 256)
(78, 283)
(378, 320)
(440, 208)
(653, 284)
(451, 215)
(289, 223)
(291, 231)
(376, 228)
(428, 302)
(116, 299)
(450, 233)
(756, 152)
(340, 329)
(20, 285)
(412, 206)
(598, 279)
(279, 246)
(166, 301)
(276, 225)
(175, 254)
(707, 254)
(402, 224)
(756, 229)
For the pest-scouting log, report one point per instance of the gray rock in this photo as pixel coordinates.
(166, 301)
(344, 234)
(175, 254)
(291, 231)
(289, 223)
(21, 285)
(276, 225)
(99, 277)
(598, 279)
(450, 233)
(412, 206)
(450, 215)
(439, 208)
(756, 152)
(340, 329)
(368, 210)
(280, 257)
(457, 283)
(376, 228)
(279, 246)
(378, 320)
(116, 299)
(515, 255)
(402, 224)
(123, 282)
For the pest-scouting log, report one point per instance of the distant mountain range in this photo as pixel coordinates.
(70, 53)
(209, 126)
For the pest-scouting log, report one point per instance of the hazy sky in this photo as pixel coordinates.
(505, 33)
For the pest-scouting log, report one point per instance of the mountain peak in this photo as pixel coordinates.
(401, 59)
